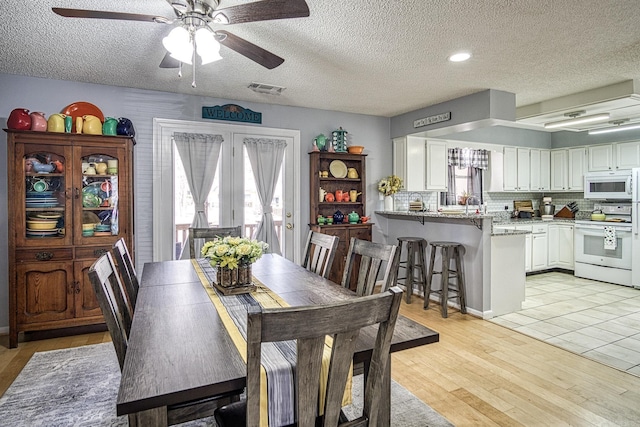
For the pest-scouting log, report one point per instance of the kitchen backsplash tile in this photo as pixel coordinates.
(496, 202)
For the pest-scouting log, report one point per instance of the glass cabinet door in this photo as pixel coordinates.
(99, 196)
(45, 188)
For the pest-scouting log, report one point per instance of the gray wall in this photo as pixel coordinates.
(51, 96)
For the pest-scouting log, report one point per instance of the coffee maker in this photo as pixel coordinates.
(547, 209)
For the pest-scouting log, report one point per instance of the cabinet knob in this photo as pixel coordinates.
(289, 226)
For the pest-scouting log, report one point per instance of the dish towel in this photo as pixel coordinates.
(610, 240)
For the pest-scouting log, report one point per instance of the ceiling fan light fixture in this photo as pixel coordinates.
(577, 119)
(207, 46)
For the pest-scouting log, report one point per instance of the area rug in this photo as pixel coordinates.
(78, 387)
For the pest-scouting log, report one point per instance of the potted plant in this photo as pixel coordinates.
(232, 257)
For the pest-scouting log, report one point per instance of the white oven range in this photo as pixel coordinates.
(603, 249)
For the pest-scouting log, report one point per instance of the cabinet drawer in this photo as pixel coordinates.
(92, 252)
(360, 233)
(56, 254)
(539, 228)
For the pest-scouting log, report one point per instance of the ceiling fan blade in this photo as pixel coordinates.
(264, 10)
(169, 62)
(250, 50)
(98, 14)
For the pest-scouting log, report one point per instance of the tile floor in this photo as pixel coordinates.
(598, 320)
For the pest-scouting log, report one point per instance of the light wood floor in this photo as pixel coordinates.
(479, 374)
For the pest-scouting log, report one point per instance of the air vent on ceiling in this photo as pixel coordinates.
(266, 88)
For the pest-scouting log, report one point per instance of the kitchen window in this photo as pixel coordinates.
(465, 166)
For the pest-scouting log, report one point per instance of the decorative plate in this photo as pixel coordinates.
(338, 169)
(79, 109)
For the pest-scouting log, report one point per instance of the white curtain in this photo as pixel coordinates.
(199, 155)
(266, 157)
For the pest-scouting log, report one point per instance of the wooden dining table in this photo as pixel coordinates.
(180, 351)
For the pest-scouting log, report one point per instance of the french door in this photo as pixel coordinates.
(233, 199)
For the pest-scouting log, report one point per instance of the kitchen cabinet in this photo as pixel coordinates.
(567, 169)
(421, 163)
(559, 170)
(510, 169)
(541, 169)
(523, 169)
(577, 167)
(561, 246)
(538, 251)
(50, 198)
(321, 161)
(601, 158)
(436, 166)
(536, 246)
(627, 155)
(409, 159)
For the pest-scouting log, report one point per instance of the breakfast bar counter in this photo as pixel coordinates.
(494, 262)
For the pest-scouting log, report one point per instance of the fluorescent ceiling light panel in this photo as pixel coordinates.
(577, 121)
(614, 129)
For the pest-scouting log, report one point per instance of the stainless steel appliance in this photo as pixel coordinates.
(615, 185)
(603, 249)
(547, 209)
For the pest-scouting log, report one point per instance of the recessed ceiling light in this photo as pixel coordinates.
(459, 57)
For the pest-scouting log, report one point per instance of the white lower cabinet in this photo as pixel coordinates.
(546, 246)
(561, 246)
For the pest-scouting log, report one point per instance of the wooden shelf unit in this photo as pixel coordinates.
(320, 161)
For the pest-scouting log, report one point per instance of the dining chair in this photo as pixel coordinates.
(210, 234)
(309, 326)
(371, 257)
(110, 294)
(127, 271)
(319, 253)
(111, 298)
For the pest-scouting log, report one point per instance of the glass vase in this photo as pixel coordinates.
(227, 277)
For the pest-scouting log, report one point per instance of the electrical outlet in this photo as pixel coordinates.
(506, 207)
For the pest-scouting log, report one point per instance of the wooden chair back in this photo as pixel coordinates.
(309, 326)
(111, 298)
(319, 253)
(371, 256)
(127, 271)
(209, 234)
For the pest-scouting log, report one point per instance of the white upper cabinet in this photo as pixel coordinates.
(627, 155)
(409, 162)
(420, 163)
(601, 158)
(540, 169)
(559, 170)
(577, 167)
(523, 169)
(510, 169)
(436, 166)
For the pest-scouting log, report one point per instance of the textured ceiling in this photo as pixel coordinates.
(359, 56)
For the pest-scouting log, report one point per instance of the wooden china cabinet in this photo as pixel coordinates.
(323, 161)
(58, 182)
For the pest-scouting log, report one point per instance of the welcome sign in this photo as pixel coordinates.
(231, 113)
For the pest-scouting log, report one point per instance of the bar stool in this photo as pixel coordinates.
(448, 251)
(415, 246)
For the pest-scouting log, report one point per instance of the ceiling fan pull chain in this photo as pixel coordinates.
(193, 63)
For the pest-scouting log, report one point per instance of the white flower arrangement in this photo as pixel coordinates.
(231, 252)
(389, 185)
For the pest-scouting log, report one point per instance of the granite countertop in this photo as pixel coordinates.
(513, 221)
(434, 214)
(495, 232)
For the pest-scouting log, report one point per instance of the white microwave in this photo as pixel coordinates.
(608, 185)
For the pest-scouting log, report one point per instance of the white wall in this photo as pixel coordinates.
(142, 106)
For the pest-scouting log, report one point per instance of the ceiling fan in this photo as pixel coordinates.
(194, 15)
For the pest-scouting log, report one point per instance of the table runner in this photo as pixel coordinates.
(278, 359)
